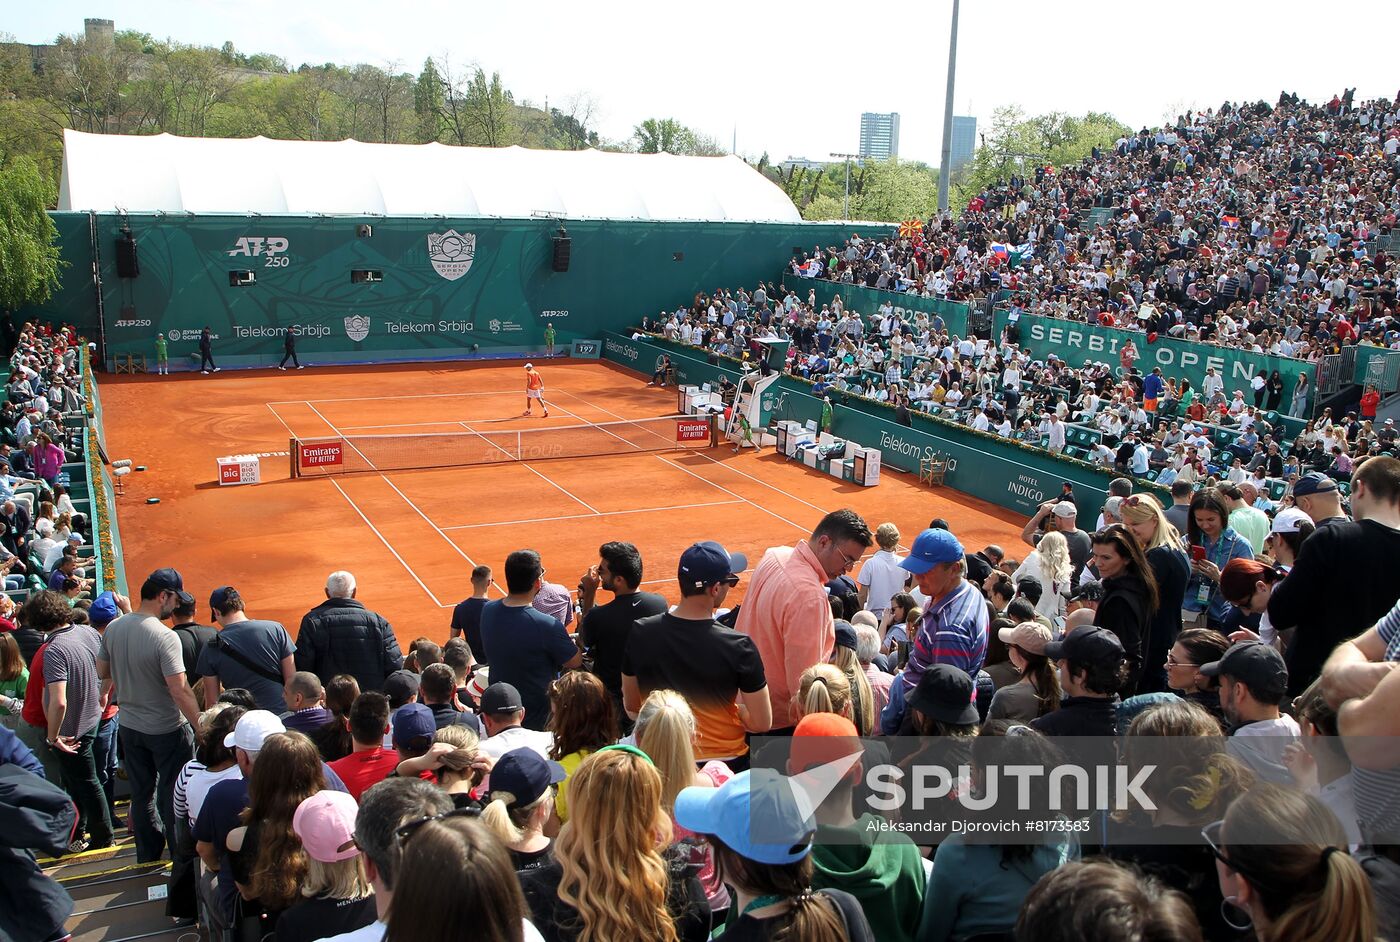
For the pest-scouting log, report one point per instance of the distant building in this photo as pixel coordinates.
(803, 163)
(964, 141)
(879, 135)
(99, 35)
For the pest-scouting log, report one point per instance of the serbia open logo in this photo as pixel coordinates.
(357, 327)
(452, 252)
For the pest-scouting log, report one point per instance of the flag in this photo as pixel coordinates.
(1230, 222)
(1000, 251)
(910, 228)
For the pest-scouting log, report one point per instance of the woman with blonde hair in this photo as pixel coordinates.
(336, 895)
(1049, 564)
(844, 657)
(269, 860)
(824, 688)
(666, 733)
(1281, 857)
(608, 881)
(520, 804)
(1162, 542)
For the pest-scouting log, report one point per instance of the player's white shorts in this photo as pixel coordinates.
(532, 394)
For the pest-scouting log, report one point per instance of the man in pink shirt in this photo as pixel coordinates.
(787, 612)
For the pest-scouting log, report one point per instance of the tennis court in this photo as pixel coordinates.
(412, 534)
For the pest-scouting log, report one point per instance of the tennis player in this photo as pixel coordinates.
(534, 389)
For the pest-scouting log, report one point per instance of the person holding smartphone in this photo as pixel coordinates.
(1212, 545)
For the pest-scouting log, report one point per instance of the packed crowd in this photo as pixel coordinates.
(596, 781)
(1257, 227)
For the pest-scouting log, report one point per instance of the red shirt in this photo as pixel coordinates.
(33, 712)
(360, 770)
(1369, 401)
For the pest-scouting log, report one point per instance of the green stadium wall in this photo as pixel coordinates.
(424, 308)
(1008, 474)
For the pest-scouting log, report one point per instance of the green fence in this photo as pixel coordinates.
(1379, 367)
(1078, 344)
(867, 301)
(1009, 474)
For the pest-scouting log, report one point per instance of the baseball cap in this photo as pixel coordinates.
(756, 814)
(1257, 664)
(220, 596)
(413, 721)
(1086, 644)
(1030, 636)
(529, 366)
(253, 727)
(1065, 508)
(75, 537)
(1289, 520)
(946, 694)
(103, 609)
(501, 698)
(399, 686)
(845, 635)
(166, 580)
(820, 738)
(524, 774)
(325, 822)
(931, 548)
(184, 599)
(1314, 482)
(706, 563)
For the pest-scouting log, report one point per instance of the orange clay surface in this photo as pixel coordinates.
(412, 537)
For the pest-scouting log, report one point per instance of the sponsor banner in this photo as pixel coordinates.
(321, 454)
(1078, 344)
(692, 430)
(588, 349)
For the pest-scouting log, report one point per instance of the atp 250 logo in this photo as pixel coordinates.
(273, 249)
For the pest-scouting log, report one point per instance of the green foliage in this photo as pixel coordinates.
(881, 191)
(29, 258)
(669, 136)
(1016, 144)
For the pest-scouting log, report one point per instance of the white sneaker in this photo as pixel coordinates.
(205, 372)
(301, 367)
(217, 368)
(282, 368)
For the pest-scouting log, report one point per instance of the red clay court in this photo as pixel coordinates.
(412, 537)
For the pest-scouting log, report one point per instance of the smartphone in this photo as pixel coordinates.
(1198, 553)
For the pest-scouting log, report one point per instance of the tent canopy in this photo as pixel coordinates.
(155, 173)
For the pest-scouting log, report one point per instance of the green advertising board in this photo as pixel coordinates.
(867, 301)
(1078, 344)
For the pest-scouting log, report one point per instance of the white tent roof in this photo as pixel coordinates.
(106, 172)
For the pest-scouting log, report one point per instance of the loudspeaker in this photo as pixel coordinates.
(128, 266)
(677, 256)
(241, 279)
(364, 230)
(561, 250)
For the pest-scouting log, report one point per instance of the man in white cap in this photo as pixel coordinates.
(534, 390)
(1064, 517)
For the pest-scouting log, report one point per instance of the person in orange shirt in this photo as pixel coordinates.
(787, 613)
(534, 389)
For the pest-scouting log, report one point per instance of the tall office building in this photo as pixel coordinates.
(964, 140)
(879, 135)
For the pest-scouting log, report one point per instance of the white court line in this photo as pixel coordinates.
(605, 513)
(282, 420)
(741, 497)
(387, 545)
(428, 520)
(545, 478)
(497, 392)
(346, 428)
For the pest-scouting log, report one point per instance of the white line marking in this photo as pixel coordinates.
(428, 520)
(498, 392)
(290, 433)
(546, 479)
(741, 497)
(387, 545)
(605, 513)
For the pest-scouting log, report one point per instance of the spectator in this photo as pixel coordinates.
(193, 636)
(1037, 692)
(466, 617)
(786, 612)
(1092, 668)
(1253, 680)
(437, 690)
(1193, 648)
(1130, 596)
(880, 577)
(73, 700)
(1171, 569)
(520, 806)
(41, 819)
(1317, 496)
(503, 714)
(1355, 555)
(867, 649)
(1249, 522)
(1213, 544)
(1319, 762)
(1284, 862)
(769, 863)
(333, 739)
(526, 648)
(617, 827)
(553, 600)
(336, 896)
(341, 636)
(454, 873)
(14, 677)
(305, 700)
(144, 660)
(253, 654)
(582, 722)
(1061, 516)
(1049, 564)
(368, 762)
(953, 629)
(603, 629)
(716, 669)
(845, 659)
(1105, 902)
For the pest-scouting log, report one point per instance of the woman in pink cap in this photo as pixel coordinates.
(336, 893)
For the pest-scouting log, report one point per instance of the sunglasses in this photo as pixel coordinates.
(1211, 833)
(405, 831)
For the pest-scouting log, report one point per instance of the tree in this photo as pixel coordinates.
(490, 111)
(29, 258)
(669, 136)
(428, 104)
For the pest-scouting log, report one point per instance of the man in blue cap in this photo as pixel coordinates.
(953, 629)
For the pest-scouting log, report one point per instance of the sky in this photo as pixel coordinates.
(792, 79)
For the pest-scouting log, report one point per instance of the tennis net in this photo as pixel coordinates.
(348, 454)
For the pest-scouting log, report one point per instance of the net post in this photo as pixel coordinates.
(714, 430)
(292, 451)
